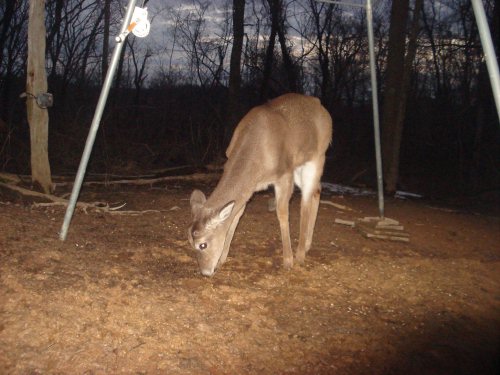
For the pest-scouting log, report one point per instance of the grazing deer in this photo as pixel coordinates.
(278, 143)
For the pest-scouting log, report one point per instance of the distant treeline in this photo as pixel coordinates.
(168, 105)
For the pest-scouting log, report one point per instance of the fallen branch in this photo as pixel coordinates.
(133, 213)
(10, 178)
(47, 200)
(336, 205)
(152, 181)
(50, 200)
(32, 194)
(152, 174)
(98, 206)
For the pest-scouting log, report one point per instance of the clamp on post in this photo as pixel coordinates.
(139, 25)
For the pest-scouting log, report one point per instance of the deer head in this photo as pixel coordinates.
(208, 232)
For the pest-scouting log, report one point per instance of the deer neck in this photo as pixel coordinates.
(236, 184)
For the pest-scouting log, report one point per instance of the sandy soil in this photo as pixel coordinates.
(123, 294)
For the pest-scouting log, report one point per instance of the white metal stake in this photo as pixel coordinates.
(489, 51)
(95, 123)
(376, 123)
(373, 77)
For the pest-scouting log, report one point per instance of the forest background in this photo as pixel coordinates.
(175, 99)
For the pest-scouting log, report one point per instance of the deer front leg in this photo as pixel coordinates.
(283, 190)
(230, 233)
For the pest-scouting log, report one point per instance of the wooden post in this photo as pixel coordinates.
(36, 83)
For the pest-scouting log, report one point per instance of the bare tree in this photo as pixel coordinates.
(8, 8)
(397, 77)
(322, 16)
(206, 50)
(105, 39)
(333, 53)
(268, 62)
(233, 107)
(139, 64)
(75, 27)
(205, 53)
(54, 37)
(36, 83)
(277, 14)
(12, 52)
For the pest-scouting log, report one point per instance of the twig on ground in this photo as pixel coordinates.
(50, 200)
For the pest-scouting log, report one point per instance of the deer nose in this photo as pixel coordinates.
(207, 272)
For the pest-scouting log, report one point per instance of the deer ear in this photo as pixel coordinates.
(225, 211)
(197, 200)
(222, 215)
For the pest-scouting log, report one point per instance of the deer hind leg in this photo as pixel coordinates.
(307, 177)
(283, 189)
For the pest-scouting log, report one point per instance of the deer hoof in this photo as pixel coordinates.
(288, 263)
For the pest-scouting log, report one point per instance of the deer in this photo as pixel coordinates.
(280, 143)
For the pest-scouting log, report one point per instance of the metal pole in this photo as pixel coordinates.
(95, 123)
(489, 51)
(376, 123)
(373, 76)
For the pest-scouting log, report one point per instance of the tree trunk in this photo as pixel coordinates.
(393, 111)
(277, 29)
(268, 65)
(54, 38)
(279, 19)
(324, 33)
(4, 29)
(233, 108)
(36, 83)
(5, 24)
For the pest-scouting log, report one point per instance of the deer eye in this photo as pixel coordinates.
(202, 246)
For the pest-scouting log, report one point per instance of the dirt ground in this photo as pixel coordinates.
(123, 294)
